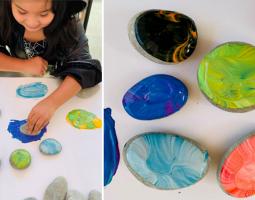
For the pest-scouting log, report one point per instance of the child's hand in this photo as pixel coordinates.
(40, 116)
(35, 66)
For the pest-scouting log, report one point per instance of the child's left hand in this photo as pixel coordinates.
(40, 116)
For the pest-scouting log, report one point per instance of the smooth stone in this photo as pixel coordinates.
(165, 37)
(23, 129)
(226, 76)
(20, 159)
(32, 90)
(155, 97)
(50, 147)
(15, 128)
(95, 195)
(75, 195)
(57, 190)
(236, 172)
(165, 161)
(30, 198)
(111, 148)
(83, 119)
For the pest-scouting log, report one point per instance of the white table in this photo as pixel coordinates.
(217, 22)
(80, 161)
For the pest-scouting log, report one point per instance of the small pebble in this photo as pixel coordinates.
(74, 195)
(95, 195)
(20, 159)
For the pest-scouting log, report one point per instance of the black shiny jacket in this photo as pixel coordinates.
(75, 62)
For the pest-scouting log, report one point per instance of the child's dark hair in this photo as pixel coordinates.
(61, 32)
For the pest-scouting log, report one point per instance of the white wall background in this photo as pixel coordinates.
(217, 22)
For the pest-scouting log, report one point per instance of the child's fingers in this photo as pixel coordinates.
(31, 123)
(38, 126)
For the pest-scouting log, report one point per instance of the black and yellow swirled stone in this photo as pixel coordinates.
(163, 36)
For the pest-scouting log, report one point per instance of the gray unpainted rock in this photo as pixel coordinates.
(57, 190)
(30, 198)
(95, 195)
(75, 195)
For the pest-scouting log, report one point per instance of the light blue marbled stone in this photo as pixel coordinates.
(50, 147)
(165, 161)
(32, 90)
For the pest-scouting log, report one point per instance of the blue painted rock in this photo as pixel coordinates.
(155, 97)
(32, 90)
(163, 36)
(165, 161)
(111, 149)
(50, 147)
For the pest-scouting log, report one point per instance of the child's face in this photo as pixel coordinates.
(34, 15)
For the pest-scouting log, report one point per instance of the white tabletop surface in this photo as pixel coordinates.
(80, 161)
(217, 22)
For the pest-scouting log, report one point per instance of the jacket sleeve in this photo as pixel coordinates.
(79, 64)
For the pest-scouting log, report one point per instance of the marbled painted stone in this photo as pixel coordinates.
(236, 172)
(111, 148)
(57, 190)
(50, 147)
(83, 119)
(165, 161)
(32, 90)
(163, 36)
(226, 76)
(155, 97)
(95, 195)
(20, 159)
(15, 128)
(75, 195)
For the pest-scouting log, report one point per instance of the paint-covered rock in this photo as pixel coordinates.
(75, 195)
(83, 119)
(50, 147)
(20, 159)
(163, 36)
(165, 161)
(23, 129)
(226, 76)
(57, 190)
(155, 97)
(32, 90)
(111, 148)
(15, 128)
(236, 171)
(95, 195)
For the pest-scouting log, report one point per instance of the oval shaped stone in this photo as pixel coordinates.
(236, 171)
(226, 76)
(163, 36)
(32, 90)
(155, 97)
(50, 147)
(20, 159)
(165, 161)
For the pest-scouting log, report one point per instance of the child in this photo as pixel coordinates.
(42, 33)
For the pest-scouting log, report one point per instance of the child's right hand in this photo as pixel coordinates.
(35, 66)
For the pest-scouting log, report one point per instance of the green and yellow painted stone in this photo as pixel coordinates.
(83, 119)
(20, 159)
(163, 36)
(226, 76)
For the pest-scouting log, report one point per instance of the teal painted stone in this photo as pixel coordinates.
(165, 161)
(50, 147)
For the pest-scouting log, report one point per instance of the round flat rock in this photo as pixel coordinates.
(226, 76)
(163, 36)
(50, 147)
(32, 90)
(236, 172)
(20, 159)
(165, 161)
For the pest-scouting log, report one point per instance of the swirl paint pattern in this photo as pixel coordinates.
(32, 90)
(155, 97)
(165, 161)
(111, 148)
(236, 173)
(226, 76)
(168, 36)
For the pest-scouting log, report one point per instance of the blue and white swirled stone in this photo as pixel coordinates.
(165, 161)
